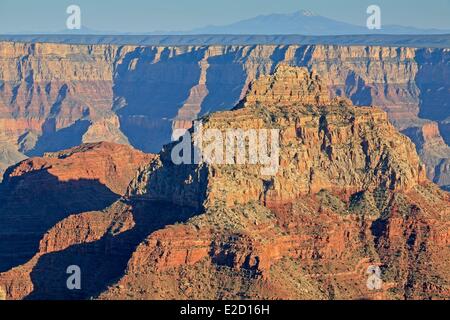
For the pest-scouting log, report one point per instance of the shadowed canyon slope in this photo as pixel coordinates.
(350, 192)
(39, 192)
(56, 96)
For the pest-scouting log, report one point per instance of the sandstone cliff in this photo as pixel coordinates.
(55, 96)
(39, 192)
(350, 193)
(324, 143)
(432, 150)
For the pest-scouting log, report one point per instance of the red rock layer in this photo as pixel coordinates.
(350, 192)
(298, 235)
(110, 164)
(49, 87)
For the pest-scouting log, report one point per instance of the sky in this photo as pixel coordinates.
(182, 15)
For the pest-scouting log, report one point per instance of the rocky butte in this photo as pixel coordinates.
(351, 194)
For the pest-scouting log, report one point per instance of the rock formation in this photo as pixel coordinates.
(350, 195)
(55, 96)
(39, 192)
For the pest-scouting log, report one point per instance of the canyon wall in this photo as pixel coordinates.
(56, 96)
(349, 194)
(85, 178)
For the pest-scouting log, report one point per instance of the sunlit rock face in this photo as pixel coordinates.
(56, 96)
(38, 192)
(350, 194)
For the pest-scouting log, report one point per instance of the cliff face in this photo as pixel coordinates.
(324, 143)
(55, 96)
(432, 150)
(39, 192)
(349, 194)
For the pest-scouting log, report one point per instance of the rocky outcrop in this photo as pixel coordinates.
(288, 87)
(112, 165)
(355, 198)
(39, 192)
(55, 96)
(75, 230)
(349, 194)
(413, 245)
(332, 145)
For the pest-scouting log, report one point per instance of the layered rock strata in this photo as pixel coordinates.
(55, 96)
(350, 195)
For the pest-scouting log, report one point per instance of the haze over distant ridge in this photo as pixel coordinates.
(303, 22)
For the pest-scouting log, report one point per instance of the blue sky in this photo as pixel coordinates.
(150, 15)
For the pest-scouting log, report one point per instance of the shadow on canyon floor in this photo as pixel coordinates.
(225, 81)
(150, 87)
(62, 139)
(102, 262)
(30, 205)
(433, 84)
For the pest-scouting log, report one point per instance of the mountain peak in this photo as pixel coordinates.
(306, 13)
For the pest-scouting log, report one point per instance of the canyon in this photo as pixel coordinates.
(56, 96)
(39, 192)
(351, 192)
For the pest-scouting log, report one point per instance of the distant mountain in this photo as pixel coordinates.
(305, 23)
(302, 22)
